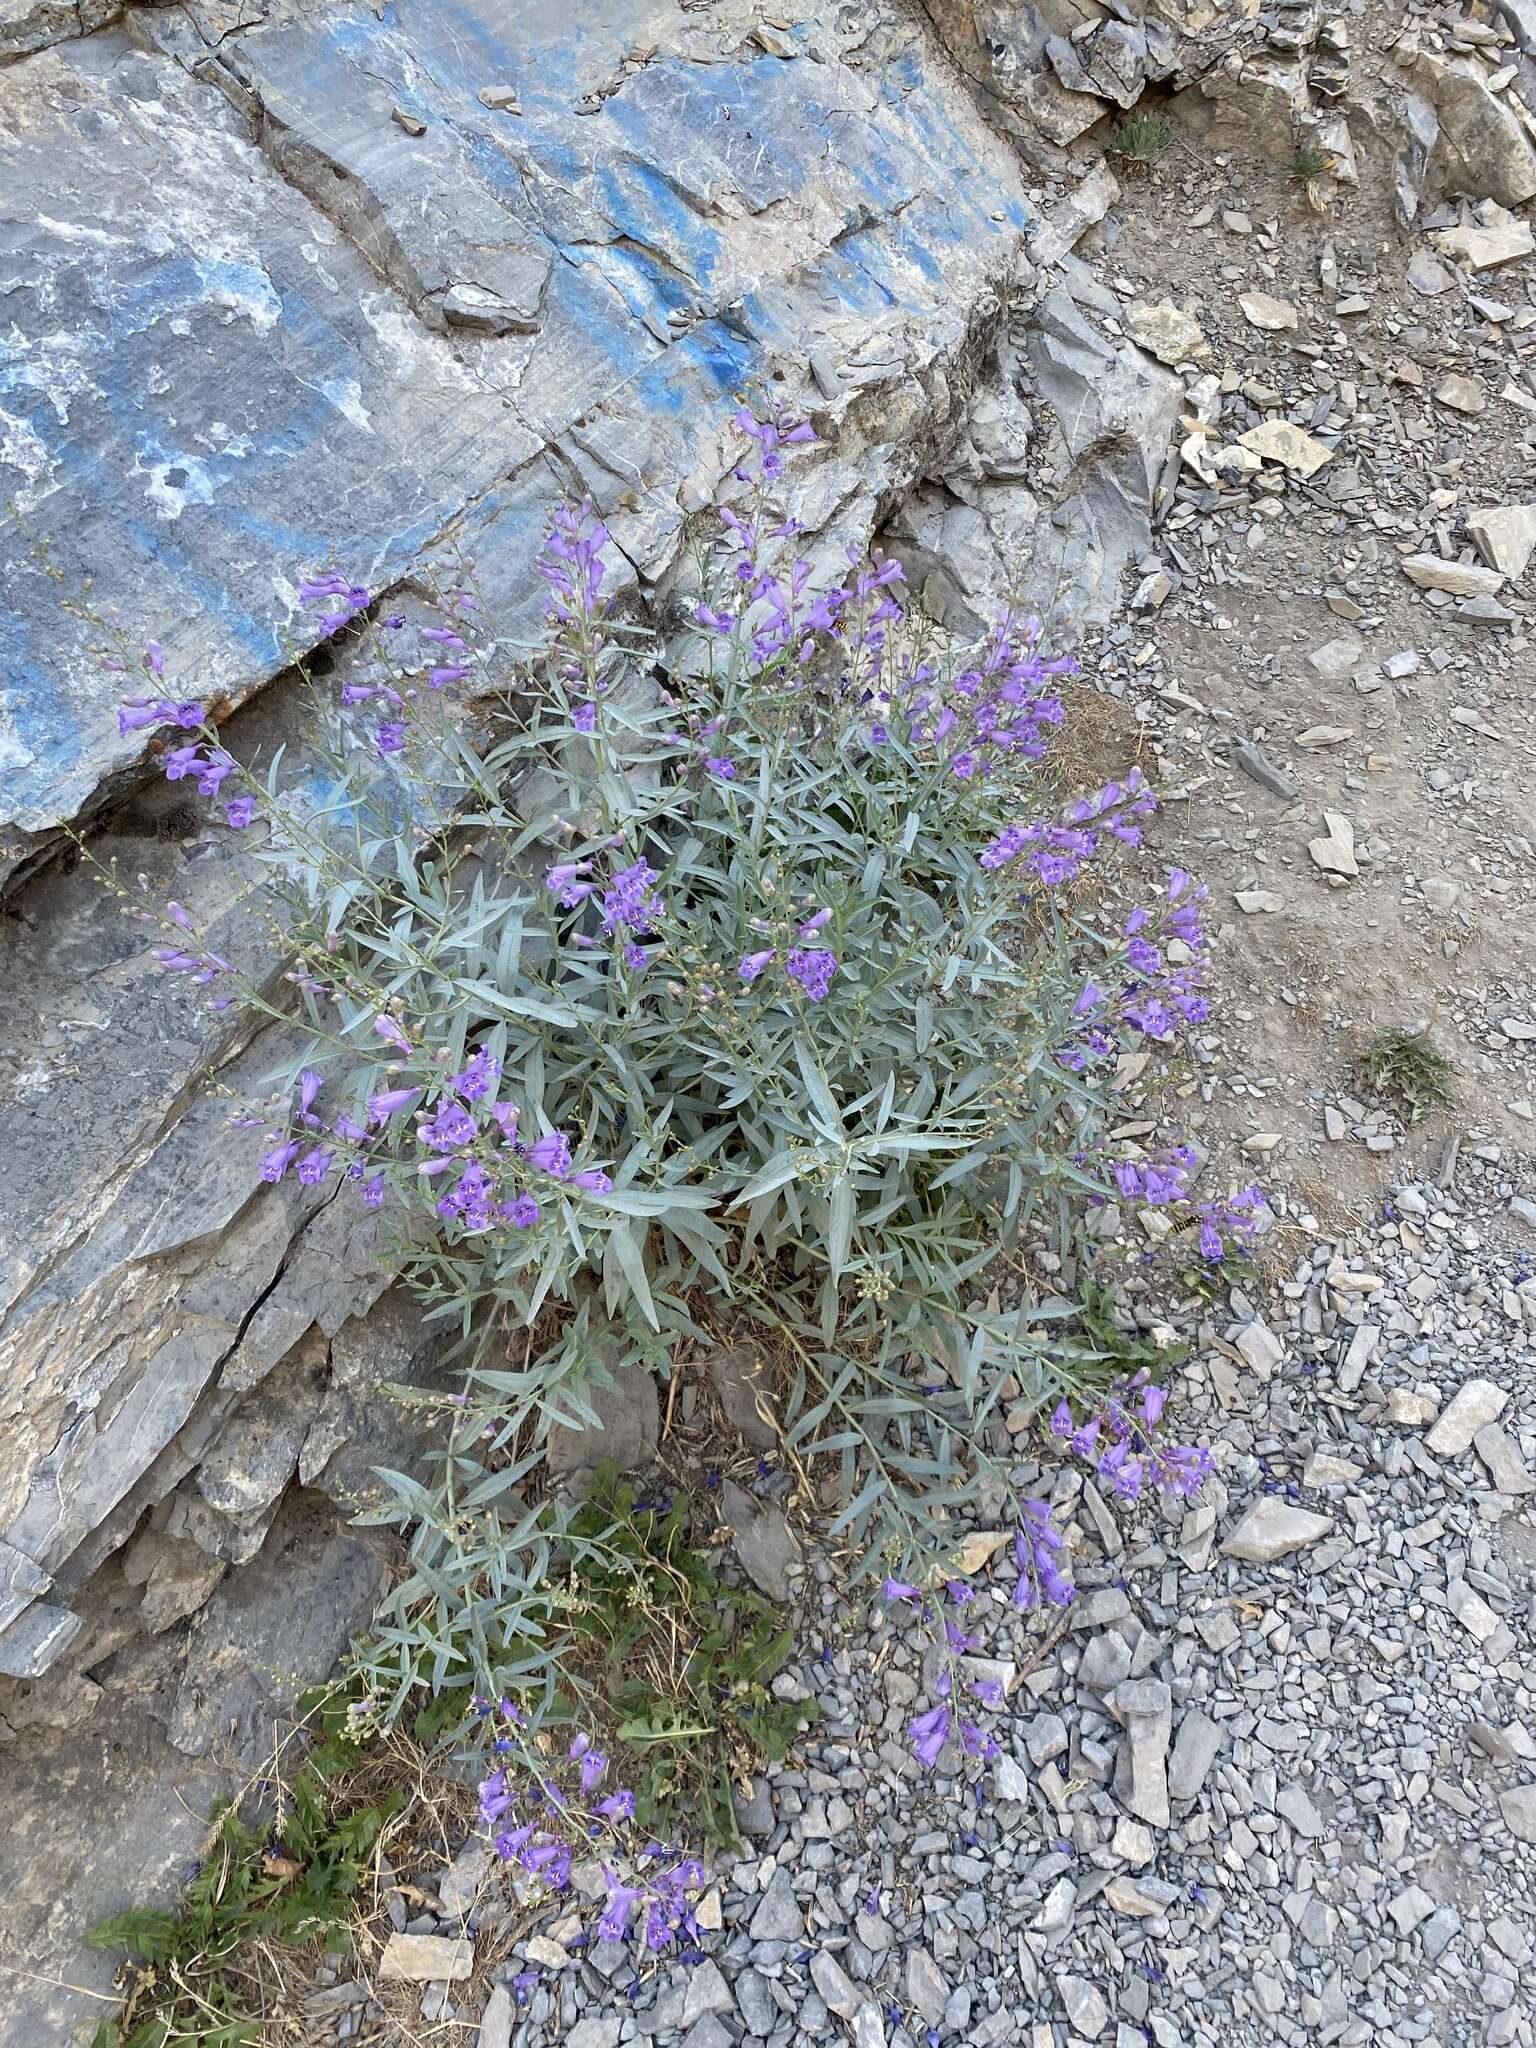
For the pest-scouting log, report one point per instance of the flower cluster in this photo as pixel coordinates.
(1119, 1441)
(1037, 1545)
(541, 1825)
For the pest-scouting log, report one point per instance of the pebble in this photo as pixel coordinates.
(1272, 1528)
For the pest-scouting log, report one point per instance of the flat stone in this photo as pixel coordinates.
(1297, 451)
(496, 2019)
(1506, 1468)
(925, 1986)
(426, 1959)
(1504, 535)
(1262, 309)
(1461, 579)
(627, 1423)
(1166, 332)
(1195, 1749)
(1518, 1809)
(1335, 855)
(462, 1882)
(1085, 2006)
(1338, 659)
(778, 1916)
(736, 1372)
(1323, 1470)
(707, 1992)
(1505, 240)
(1409, 1409)
(1272, 1528)
(597, 2030)
(1257, 902)
(1462, 394)
(768, 1548)
(1475, 1403)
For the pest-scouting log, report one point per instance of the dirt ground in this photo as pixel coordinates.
(1436, 768)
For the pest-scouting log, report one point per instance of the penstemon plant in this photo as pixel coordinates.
(749, 966)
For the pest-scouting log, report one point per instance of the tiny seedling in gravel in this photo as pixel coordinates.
(1405, 1067)
(1140, 139)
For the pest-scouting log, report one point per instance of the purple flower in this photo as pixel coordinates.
(929, 1734)
(551, 1154)
(593, 1182)
(455, 672)
(239, 811)
(720, 765)
(635, 956)
(618, 1805)
(813, 970)
(898, 1589)
(631, 903)
(752, 964)
(614, 1925)
(584, 718)
(813, 925)
(453, 1125)
(314, 1166)
(477, 1077)
(389, 1102)
(277, 1162)
(137, 717)
(373, 1190)
(593, 1765)
(522, 1213)
(309, 1088)
(390, 737)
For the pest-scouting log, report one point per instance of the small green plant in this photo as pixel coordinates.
(679, 1662)
(1141, 139)
(1404, 1066)
(204, 1972)
(1310, 161)
(1113, 1356)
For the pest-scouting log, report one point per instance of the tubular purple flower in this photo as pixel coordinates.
(389, 1102)
(813, 925)
(813, 970)
(390, 737)
(239, 811)
(373, 1190)
(522, 1213)
(898, 1589)
(593, 1182)
(453, 672)
(752, 964)
(277, 1162)
(618, 1805)
(721, 766)
(551, 1154)
(309, 1087)
(584, 718)
(929, 1734)
(593, 1765)
(452, 1125)
(314, 1166)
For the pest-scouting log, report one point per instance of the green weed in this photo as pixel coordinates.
(1404, 1066)
(1140, 139)
(204, 1972)
(682, 1662)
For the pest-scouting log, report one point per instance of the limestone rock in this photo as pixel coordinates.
(1262, 309)
(1474, 1404)
(626, 1420)
(1518, 1807)
(426, 1959)
(1505, 536)
(1461, 579)
(1272, 1528)
(1291, 446)
(1335, 854)
(1481, 150)
(1495, 236)
(765, 1543)
(1165, 331)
